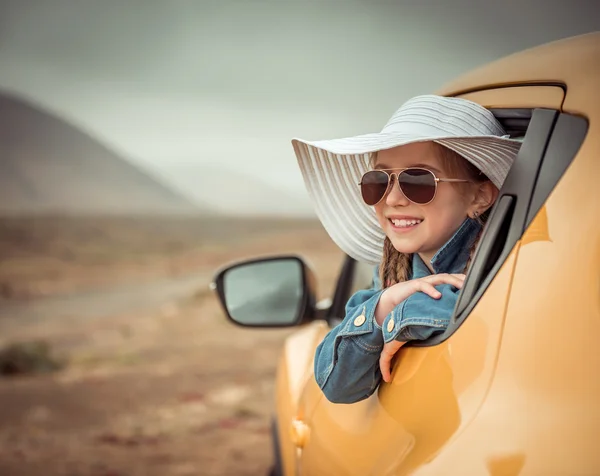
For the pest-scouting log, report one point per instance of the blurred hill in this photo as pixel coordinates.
(234, 193)
(50, 166)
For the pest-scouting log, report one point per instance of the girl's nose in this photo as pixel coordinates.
(395, 197)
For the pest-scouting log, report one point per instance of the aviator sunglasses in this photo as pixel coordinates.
(418, 185)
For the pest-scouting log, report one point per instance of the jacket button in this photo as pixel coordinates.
(390, 325)
(360, 320)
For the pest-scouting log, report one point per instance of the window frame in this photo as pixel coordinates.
(551, 142)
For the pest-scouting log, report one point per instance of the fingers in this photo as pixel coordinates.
(428, 289)
(385, 359)
(385, 362)
(456, 280)
(427, 284)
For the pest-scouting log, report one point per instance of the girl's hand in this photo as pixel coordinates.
(395, 295)
(385, 359)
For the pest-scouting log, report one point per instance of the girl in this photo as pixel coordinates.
(411, 200)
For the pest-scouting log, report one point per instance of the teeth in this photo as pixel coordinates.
(405, 223)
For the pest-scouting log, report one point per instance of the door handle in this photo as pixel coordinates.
(299, 433)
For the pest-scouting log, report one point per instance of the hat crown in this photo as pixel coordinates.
(437, 116)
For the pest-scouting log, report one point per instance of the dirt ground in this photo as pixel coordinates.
(172, 390)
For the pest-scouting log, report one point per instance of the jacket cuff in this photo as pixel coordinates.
(360, 325)
(392, 324)
(407, 321)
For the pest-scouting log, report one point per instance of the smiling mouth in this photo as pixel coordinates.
(403, 223)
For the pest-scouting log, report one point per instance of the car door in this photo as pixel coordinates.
(541, 414)
(439, 385)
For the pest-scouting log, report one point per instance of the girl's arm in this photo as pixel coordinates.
(347, 360)
(420, 316)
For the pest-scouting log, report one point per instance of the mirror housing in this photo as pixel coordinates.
(273, 291)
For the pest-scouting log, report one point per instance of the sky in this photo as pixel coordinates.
(180, 86)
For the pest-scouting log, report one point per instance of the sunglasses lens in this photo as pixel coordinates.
(373, 186)
(418, 185)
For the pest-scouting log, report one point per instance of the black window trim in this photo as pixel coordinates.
(551, 143)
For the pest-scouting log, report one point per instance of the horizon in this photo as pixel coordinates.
(180, 86)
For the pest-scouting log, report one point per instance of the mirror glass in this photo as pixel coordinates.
(264, 293)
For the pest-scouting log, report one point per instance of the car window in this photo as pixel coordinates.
(363, 276)
(550, 142)
(353, 277)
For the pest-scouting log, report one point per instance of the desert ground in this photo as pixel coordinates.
(116, 357)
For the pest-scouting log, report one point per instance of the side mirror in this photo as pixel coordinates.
(267, 292)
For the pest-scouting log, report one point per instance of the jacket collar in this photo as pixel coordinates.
(453, 256)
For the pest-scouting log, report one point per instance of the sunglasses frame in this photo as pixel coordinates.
(391, 181)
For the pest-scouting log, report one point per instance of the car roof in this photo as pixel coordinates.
(569, 62)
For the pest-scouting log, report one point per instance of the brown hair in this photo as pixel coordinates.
(396, 267)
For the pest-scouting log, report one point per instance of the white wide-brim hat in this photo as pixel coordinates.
(332, 169)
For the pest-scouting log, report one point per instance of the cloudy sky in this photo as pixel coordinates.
(178, 86)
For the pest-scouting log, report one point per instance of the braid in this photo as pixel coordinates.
(386, 267)
(403, 267)
(395, 267)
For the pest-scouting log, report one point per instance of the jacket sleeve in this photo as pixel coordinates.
(420, 316)
(347, 360)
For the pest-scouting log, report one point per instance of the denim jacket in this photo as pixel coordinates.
(347, 360)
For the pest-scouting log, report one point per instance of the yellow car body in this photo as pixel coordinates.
(514, 389)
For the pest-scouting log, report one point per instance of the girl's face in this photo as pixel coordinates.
(437, 221)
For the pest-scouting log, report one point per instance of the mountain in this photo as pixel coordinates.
(234, 193)
(50, 166)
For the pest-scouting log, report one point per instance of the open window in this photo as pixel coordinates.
(550, 142)
(354, 276)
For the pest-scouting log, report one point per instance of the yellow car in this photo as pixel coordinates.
(513, 386)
